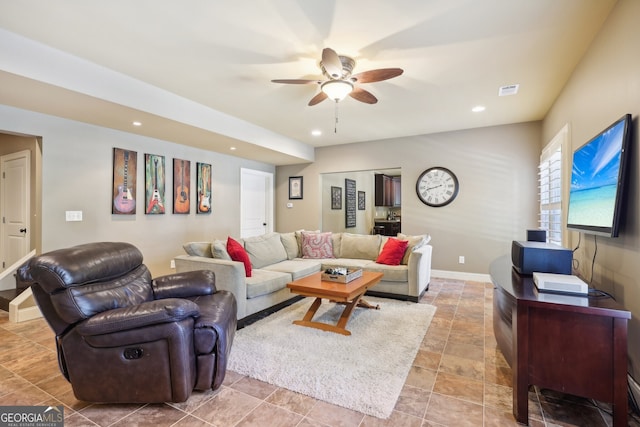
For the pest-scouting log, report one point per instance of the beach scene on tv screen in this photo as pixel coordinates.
(594, 179)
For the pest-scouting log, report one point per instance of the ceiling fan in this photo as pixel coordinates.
(337, 69)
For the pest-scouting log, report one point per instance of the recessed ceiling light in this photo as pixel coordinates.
(137, 123)
(232, 148)
(478, 108)
(316, 132)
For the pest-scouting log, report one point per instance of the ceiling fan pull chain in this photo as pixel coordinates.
(335, 127)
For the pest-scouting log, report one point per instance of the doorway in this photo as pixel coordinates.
(20, 206)
(15, 207)
(256, 202)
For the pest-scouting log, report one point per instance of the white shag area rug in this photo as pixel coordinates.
(364, 372)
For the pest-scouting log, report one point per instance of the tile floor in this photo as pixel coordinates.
(459, 378)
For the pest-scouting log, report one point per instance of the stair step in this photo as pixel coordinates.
(7, 296)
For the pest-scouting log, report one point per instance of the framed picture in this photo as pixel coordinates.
(154, 183)
(295, 187)
(181, 186)
(362, 201)
(350, 203)
(204, 188)
(336, 198)
(125, 166)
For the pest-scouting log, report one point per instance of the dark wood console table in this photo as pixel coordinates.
(572, 344)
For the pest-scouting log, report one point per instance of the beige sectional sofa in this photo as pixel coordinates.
(278, 258)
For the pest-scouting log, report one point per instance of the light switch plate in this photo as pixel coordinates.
(73, 215)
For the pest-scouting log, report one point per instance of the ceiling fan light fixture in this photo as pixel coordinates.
(337, 89)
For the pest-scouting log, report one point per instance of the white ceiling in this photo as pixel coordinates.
(199, 72)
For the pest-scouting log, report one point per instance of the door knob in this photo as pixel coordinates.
(23, 230)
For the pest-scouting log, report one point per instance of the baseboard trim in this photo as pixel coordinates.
(461, 275)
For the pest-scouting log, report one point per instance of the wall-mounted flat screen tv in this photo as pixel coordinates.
(598, 181)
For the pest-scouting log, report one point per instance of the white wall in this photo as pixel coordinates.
(497, 202)
(77, 175)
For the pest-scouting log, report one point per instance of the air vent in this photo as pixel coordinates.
(508, 90)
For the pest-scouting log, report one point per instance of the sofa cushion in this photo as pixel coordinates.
(265, 250)
(391, 273)
(237, 253)
(297, 268)
(415, 242)
(346, 262)
(317, 245)
(392, 252)
(336, 241)
(360, 246)
(265, 282)
(298, 234)
(198, 249)
(290, 244)
(219, 250)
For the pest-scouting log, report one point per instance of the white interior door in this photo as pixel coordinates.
(15, 190)
(256, 202)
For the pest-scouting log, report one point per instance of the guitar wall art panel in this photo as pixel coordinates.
(181, 186)
(125, 166)
(204, 188)
(154, 183)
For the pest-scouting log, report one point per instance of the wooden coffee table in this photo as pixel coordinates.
(349, 294)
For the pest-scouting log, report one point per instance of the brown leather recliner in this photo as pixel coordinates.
(125, 338)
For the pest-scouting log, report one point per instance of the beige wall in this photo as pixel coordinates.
(497, 170)
(604, 86)
(334, 219)
(77, 175)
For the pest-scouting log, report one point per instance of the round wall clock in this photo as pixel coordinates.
(437, 186)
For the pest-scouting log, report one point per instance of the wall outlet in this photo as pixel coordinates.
(173, 263)
(461, 259)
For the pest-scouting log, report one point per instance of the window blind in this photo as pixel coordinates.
(550, 192)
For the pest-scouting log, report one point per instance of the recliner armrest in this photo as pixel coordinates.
(137, 316)
(218, 314)
(219, 310)
(184, 285)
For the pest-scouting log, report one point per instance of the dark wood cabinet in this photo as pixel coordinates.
(397, 192)
(572, 344)
(387, 190)
(388, 227)
(383, 190)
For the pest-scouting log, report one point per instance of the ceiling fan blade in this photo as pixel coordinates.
(376, 75)
(331, 62)
(321, 96)
(363, 96)
(295, 81)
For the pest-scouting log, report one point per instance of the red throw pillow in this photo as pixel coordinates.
(392, 252)
(237, 253)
